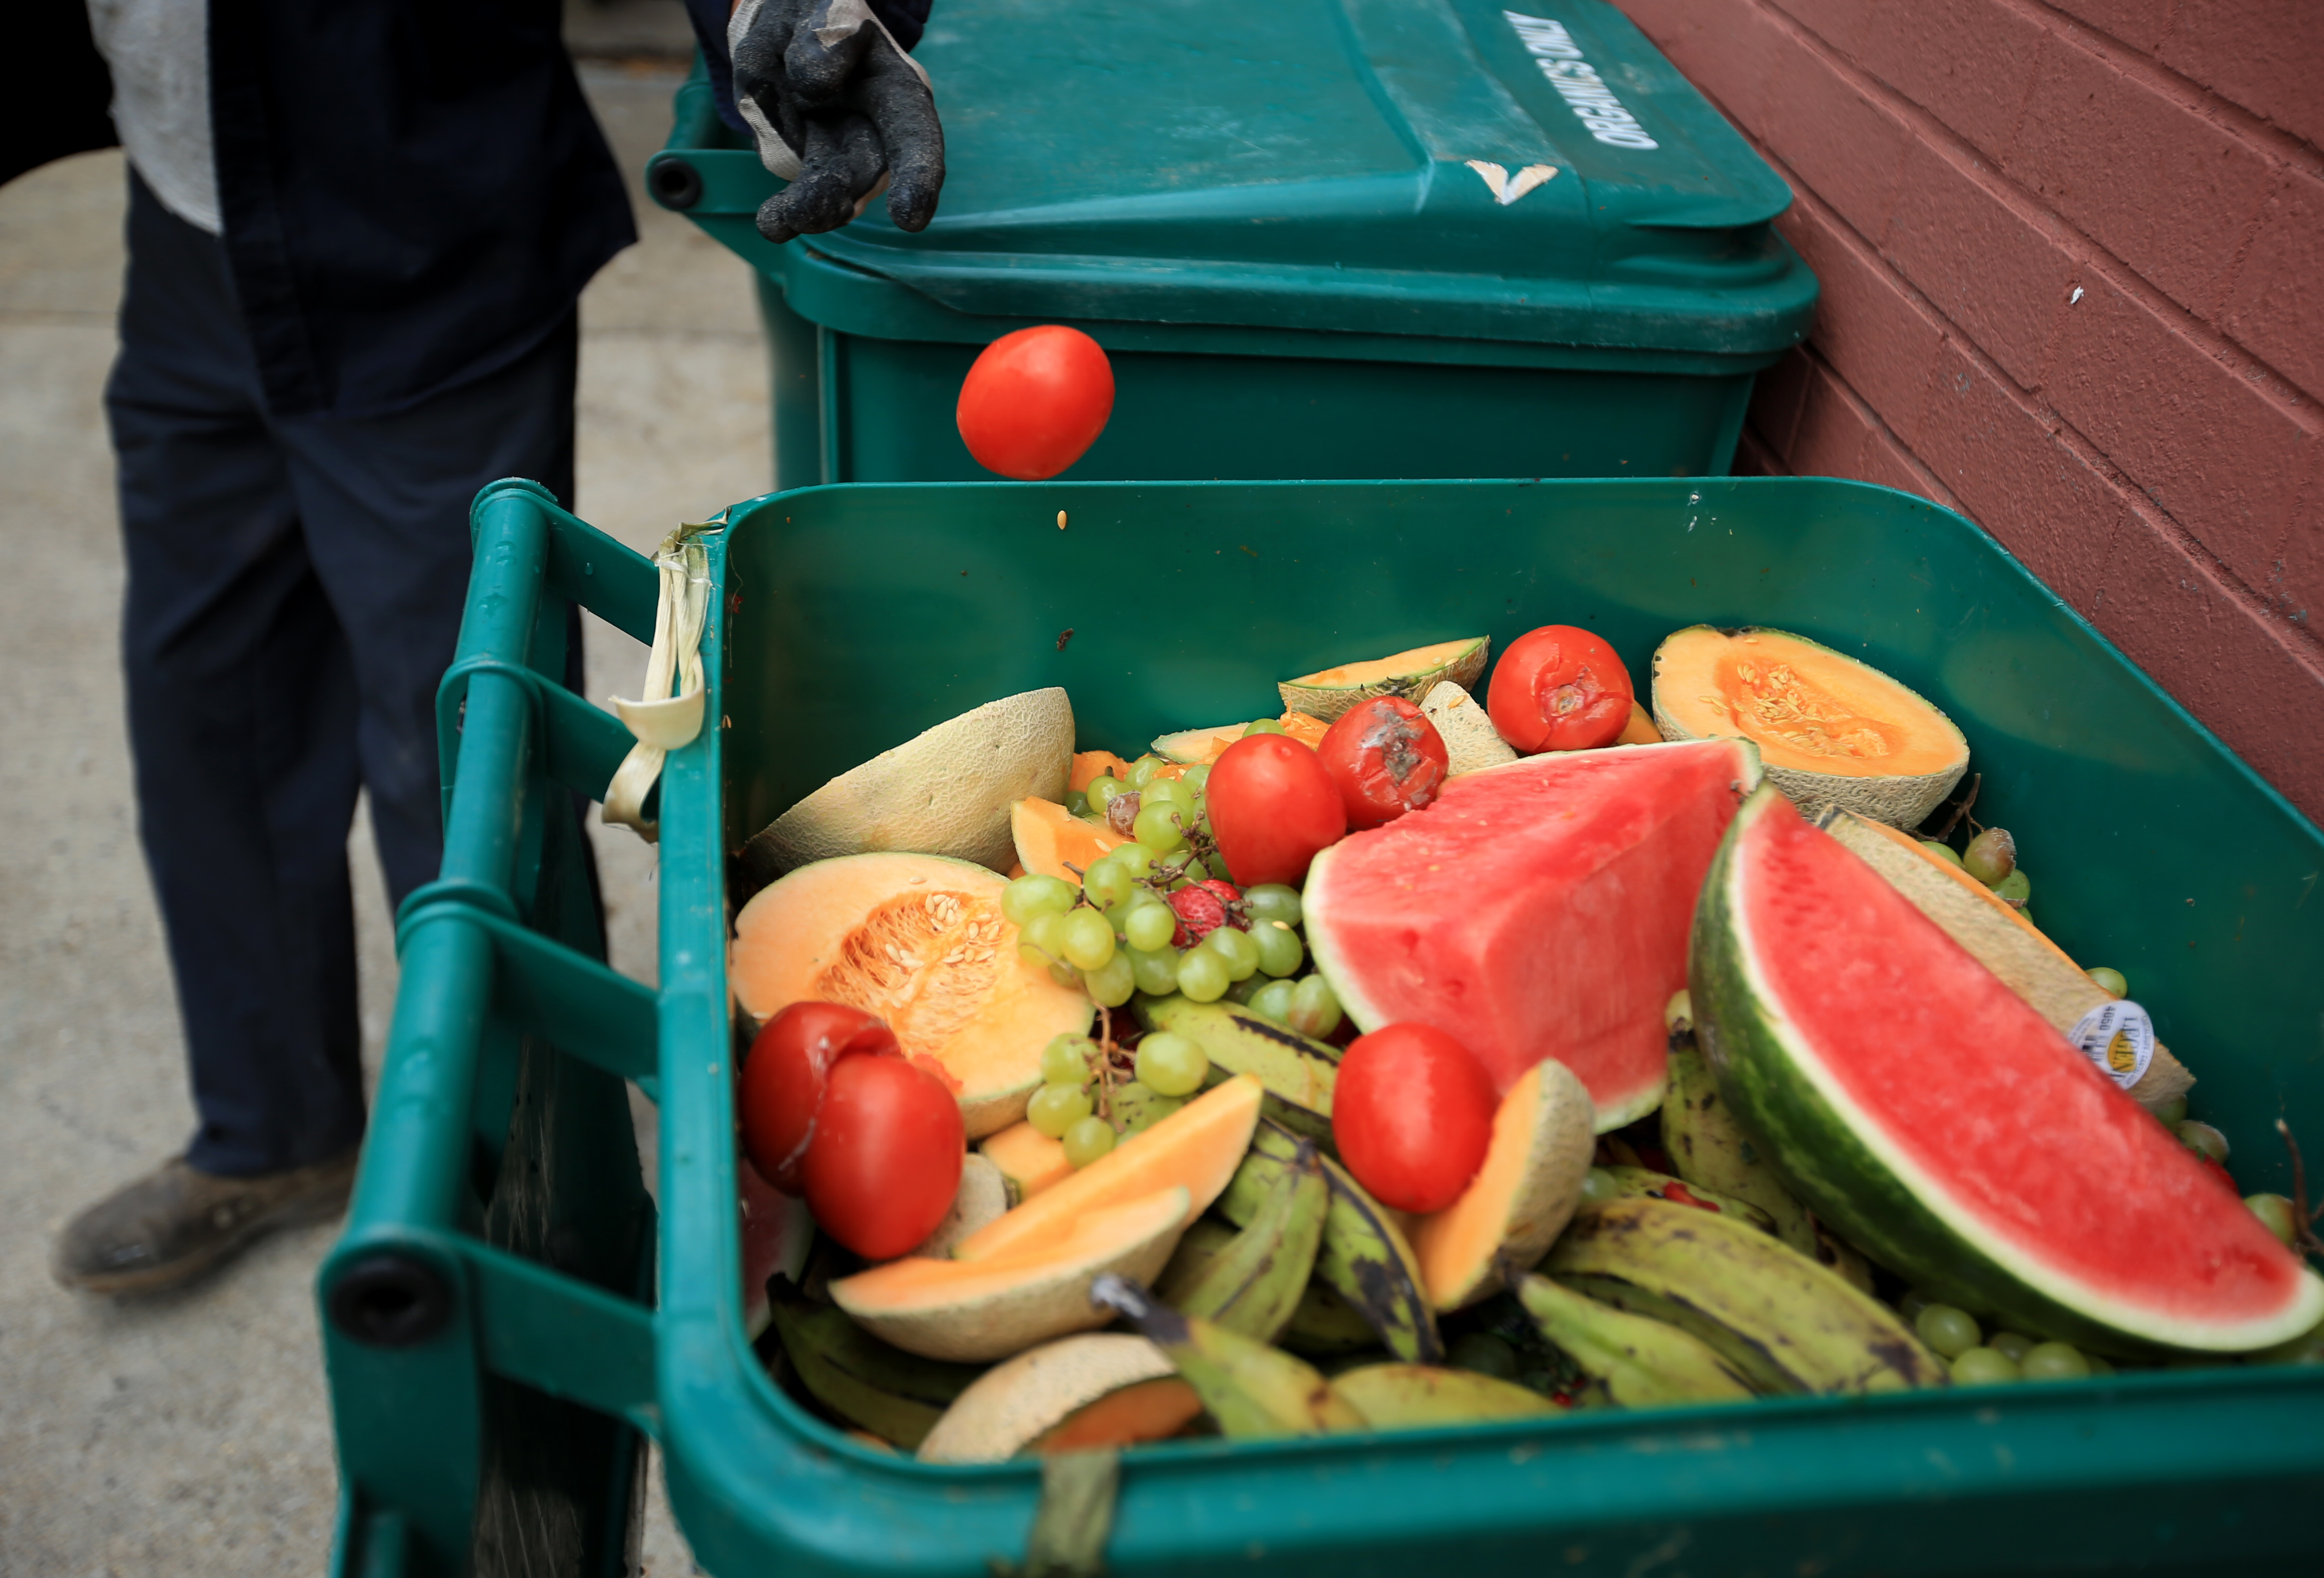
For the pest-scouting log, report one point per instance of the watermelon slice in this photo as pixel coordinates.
(1537, 910)
(1943, 1125)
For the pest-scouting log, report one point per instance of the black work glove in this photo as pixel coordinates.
(836, 107)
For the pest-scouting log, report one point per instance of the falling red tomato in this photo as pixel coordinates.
(1034, 401)
(1559, 688)
(1273, 808)
(1412, 1113)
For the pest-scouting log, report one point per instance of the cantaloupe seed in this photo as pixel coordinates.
(924, 962)
(1146, 1411)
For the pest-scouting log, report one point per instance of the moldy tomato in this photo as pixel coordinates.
(1034, 401)
(785, 1076)
(1273, 809)
(1386, 758)
(1412, 1114)
(885, 1162)
(1559, 688)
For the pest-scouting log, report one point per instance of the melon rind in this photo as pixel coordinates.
(1463, 667)
(1013, 1405)
(1879, 1198)
(947, 791)
(1544, 1136)
(1471, 740)
(1902, 801)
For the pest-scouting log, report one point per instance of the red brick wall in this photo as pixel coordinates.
(2072, 258)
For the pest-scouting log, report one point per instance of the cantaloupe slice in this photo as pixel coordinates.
(1521, 1198)
(1090, 765)
(1052, 841)
(1471, 740)
(1090, 1390)
(1029, 1160)
(1831, 730)
(943, 792)
(1196, 1148)
(920, 941)
(2000, 937)
(975, 1311)
(1640, 730)
(983, 1196)
(1330, 692)
(1201, 747)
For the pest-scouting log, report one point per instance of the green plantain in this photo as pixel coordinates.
(1251, 1283)
(1641, 1362)
(895, 1395)
(1299, 1073)
(1412, 1396)
(1364, 1256)
(1778, 1319)
(1617, 1182)
(1251, 1390)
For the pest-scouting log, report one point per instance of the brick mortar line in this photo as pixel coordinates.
(2301, 407)
(1938, 494)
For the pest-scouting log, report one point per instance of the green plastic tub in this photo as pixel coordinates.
(1273, 219)
(492, 1355)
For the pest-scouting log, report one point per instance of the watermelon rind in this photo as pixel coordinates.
(1897, 1212)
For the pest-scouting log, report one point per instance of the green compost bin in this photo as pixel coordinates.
(493, 1359)
(1287, 225)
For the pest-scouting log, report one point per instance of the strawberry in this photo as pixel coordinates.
(1203, 908)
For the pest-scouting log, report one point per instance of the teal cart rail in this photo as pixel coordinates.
(494, 1355)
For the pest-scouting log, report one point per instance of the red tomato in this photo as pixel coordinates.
(1559, 688)
(1273, 808)
(785, 1077)
(1413, 1114)
(1035, 400)
(1386, 757)
(886, 1161)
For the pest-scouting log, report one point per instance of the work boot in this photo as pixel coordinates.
(175, 1222)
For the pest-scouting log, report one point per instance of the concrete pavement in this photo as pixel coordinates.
(189, 1433)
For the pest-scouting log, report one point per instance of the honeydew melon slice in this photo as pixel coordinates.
(1999, 936)
(943, 792)
(920, 941)
(1104, 1389)
(972, 1311)
(1522, 1196)
(1196, 1148)
(1537, 910)
(1940, 1122)
(1831, 730)
(1330, 692)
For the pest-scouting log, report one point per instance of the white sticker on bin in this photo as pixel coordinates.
(2119, 1037)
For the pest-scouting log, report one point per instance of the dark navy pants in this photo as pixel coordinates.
(295, 587)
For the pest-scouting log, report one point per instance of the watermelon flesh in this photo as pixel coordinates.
(1939, 1122)
(1535, 909)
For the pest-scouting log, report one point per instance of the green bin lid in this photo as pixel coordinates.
(1441, 168)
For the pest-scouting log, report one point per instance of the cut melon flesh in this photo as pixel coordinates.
(1537, 910)
(920, 941)
(972, 1311)
(1028, 1159)
(1939, 1122)
(1151, 1410)
(1201, 747)
(1329, 692)
(1196, 1148)
(1052, 841)
(1090, 765)
(1088, 1391)
(1521, 1197)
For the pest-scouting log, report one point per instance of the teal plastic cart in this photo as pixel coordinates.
(1319, 238)
(495, 1353)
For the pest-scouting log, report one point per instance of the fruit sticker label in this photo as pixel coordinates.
(2119, 1037)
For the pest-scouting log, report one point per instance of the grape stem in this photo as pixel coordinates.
(1961, 809)
(2303, 1220)
(1106, 1062)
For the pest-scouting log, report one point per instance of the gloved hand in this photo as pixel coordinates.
(836, 108)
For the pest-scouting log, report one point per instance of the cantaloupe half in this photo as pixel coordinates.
(1029, 1160)
(943, 792)
(920, 941)
(1330, 692)
(1196, 1148)
(1052, 841)
(1831, 730)
(1999, 936)
(1522, 1196)
(975, 1311)
(1102, 1389)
